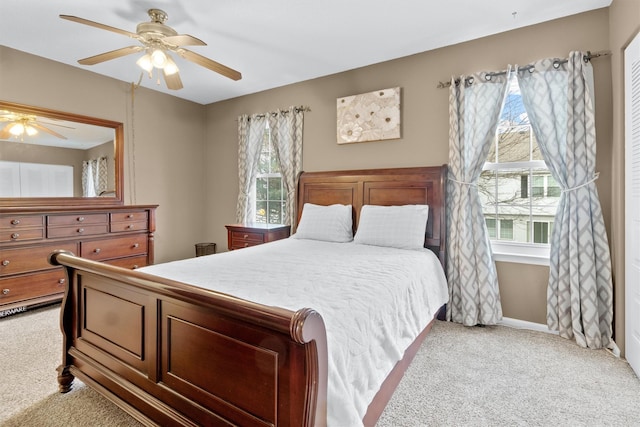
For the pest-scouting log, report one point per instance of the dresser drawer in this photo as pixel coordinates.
(80, 219)
(22, 221)
(77, 230)
(131, 263)
(117, 227)
(21, 235)
(129, 216)
(98, 250)
(23, 260)
(32, 286)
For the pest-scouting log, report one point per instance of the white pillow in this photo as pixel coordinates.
(394, 226)
(332, 223)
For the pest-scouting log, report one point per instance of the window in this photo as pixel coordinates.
(270, 196)
(518, 194)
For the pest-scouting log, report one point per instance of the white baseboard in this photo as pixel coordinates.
(523, 324)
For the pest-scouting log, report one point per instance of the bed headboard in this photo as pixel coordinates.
(400, 186)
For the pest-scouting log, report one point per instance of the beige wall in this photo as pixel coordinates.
(425, 124)
(164, 139)
(183, 156)
(624, 23)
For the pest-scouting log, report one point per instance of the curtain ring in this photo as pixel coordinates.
(487, 77)
(469, 81)
(556, 64)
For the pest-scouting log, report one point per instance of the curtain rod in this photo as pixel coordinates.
(588, 57)
(302, 108)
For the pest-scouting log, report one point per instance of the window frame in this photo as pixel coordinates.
(267, 176)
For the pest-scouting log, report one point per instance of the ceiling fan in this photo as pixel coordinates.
(20, 124)
(157, 41)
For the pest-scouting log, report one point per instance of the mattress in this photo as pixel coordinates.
(374, 301)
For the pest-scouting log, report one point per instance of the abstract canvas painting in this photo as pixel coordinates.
(372, 116)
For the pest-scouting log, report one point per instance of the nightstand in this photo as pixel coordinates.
(244, 235)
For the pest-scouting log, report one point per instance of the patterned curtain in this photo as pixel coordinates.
(94, 177)
(558, 96)
(250, 133)
(475, 103)
(286, 135)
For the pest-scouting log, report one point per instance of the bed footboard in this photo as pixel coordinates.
(174, 354)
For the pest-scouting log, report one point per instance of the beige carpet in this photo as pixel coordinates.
(492, 376)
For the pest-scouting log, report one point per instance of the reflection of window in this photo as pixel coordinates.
(516, 188)
(270, 196)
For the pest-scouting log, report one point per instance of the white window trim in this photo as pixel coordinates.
(523, 253)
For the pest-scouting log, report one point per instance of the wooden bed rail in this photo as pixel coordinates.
(159, 348)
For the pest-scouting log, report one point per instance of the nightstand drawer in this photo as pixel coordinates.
(244, 235)
(240, 238)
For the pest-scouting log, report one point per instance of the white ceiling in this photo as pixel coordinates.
(272, 43)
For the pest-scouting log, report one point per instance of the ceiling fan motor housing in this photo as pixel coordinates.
(155, 29)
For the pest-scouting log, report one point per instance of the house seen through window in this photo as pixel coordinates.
(270, 195)
(518, 194)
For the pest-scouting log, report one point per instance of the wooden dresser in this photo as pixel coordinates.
(244, 235)
(118, 235)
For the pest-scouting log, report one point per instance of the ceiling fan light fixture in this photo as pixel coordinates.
(145, 63)
(158, 58)
(170, 67)
(19, 129)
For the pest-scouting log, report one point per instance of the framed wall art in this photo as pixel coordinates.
(372, 116)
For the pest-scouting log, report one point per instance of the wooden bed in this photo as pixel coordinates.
(169, 353)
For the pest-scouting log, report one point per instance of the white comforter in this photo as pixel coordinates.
(374, 302)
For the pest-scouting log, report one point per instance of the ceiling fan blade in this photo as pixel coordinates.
(101, 26)
(183, 40)
(47, 130)
(41, 123)
(210, 64)
(92, 60)
(173, 81)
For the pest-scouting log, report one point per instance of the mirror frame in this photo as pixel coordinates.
(73, 201)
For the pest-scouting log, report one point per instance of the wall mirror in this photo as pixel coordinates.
(54, 158)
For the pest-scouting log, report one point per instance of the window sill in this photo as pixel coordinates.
(520, 253)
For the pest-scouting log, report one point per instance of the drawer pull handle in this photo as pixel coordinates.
(80, 218)
(130, 226)
(15, 221)
(245, 236)
(135, 266)
(130, 216)
(246, 245)
(5, 291)
(97, 250)
(80, 230)
(5, 262)
(61, 281)
(14, 236)
(136, 245)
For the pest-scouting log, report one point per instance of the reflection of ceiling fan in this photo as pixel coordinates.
(20, 124)
(157, 41)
